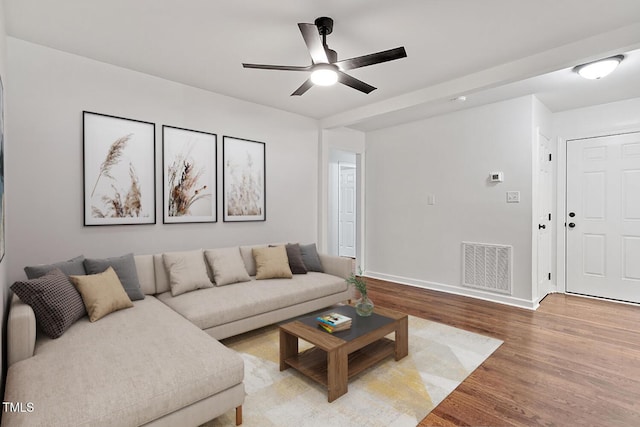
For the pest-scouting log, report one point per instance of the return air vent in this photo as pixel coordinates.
(486, 266)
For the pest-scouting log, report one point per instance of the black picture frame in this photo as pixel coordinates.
(119, 170)
(244, 180)
(189, 176)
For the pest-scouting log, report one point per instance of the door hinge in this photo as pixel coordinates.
(549, 156)
(549, 276)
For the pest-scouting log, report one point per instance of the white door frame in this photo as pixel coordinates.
(561, 200)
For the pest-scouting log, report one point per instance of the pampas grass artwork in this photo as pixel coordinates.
(185, 187)
(244, 175)
(245, 191)
(189, 176)
(119, 170)
(113, 157)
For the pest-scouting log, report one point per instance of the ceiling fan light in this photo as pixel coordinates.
(598, 69)
(324, 75)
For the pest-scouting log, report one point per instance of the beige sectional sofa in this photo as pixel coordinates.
(158, 363)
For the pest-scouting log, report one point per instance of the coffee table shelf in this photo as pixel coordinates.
(313, 362)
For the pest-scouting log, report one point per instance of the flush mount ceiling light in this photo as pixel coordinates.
(324, 74)
(598, 69)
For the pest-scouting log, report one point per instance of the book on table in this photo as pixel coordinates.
(334, 322)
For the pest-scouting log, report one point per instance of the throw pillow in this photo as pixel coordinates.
(311, 258)
(295, 258)
(187, 271)
(55, 302)
(125, 268)
(73, 266)
(227, 266)
(271, 263)
(102, 293)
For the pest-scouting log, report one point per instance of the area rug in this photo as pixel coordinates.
(390, 394)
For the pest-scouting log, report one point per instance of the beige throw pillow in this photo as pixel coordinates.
(227, 266)
(272, 263)
(101, 293)
(187, 271)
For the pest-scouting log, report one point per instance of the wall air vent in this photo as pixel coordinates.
(487, 266)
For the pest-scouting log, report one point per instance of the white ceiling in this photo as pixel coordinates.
(487, 50)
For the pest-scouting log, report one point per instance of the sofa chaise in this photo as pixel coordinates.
(158, 363)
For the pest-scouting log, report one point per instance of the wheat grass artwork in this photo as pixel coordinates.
(189, 175)
(119, 170)
(244, 180)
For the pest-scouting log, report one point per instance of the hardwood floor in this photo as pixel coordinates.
(573, 362)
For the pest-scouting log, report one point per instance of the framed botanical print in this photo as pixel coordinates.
(119, 170)
(243, 180)
(189, 174)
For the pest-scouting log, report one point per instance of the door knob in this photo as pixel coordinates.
(541, 226)
(571, 225)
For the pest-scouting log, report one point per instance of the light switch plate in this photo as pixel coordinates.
(431, 199)
(513, 197)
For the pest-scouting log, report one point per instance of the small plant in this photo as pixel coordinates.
(358, 282)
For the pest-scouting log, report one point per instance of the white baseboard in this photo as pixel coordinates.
(456, 290)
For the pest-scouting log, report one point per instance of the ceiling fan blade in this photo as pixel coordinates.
(312, 39)
(374, 58)
(346, 79)
(278, 67)
(302, 89)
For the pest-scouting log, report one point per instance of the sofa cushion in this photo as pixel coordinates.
(227, 266)
(125, 268)
(55, 301)
(146, 273)
(148, 362)
(187, 271)
(271, 263)
(311, 258)
(73, 266)
(207, 308)
(102, 293)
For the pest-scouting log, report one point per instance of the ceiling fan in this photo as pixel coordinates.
(325, 68)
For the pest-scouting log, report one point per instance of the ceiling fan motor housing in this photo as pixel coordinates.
(325, 25)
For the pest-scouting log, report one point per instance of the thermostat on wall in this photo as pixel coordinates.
(496, 177)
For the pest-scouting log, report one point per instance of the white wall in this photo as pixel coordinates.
(598, 120)
(49, 91)
(450, 157)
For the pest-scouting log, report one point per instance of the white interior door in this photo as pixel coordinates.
(603, 217)
(545, 190)
(347, 211)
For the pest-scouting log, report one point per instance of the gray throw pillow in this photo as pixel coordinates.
(311, 258)
(125, 268)
(74, 266)
(55, 301)
(296, 263)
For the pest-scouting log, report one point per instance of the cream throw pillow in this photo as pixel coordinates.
(101, 293)
(272, 263)
(227, 266)
(187, 271)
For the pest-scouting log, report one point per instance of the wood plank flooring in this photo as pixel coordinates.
(573, 362)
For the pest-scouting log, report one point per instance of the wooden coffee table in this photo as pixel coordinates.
(339, 356)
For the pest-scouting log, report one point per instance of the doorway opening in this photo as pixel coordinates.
(344, 195)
